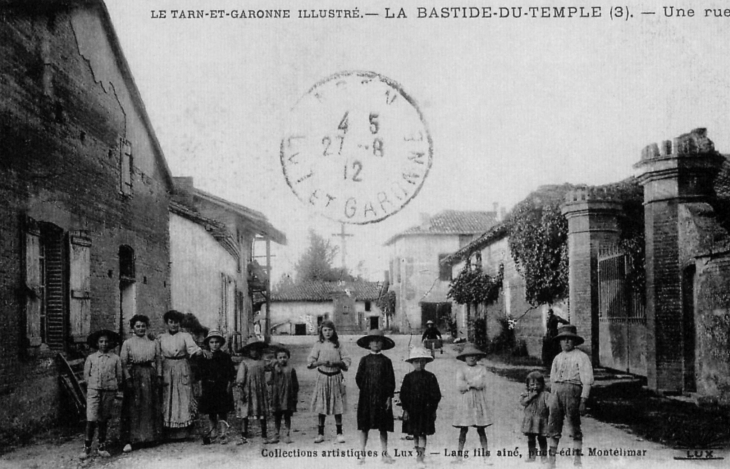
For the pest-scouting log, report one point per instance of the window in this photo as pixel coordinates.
(367, 306)
(57, 279)
(227, 309)
(127, 286)
(126, 168)
(444, 269)
(398, 268)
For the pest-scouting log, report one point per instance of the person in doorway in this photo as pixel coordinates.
(376, 380)
(571, 376)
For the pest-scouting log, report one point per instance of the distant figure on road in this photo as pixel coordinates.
(571, 376)
(431, 337)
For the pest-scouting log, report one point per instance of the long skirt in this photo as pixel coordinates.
(330, 395)
(178, 403)
(140, 409)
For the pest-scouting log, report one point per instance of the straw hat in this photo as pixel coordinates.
(364, 342)
(429, 322)
(212, 334)
(114, 338)
(419, 353)
(569, 331)
(470, 349)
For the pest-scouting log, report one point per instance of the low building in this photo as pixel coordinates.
(211, 252)
(300, 308)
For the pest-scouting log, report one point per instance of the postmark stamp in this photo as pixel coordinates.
(356, 148)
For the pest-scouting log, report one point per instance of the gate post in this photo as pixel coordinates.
(673, 173)
(592, 221)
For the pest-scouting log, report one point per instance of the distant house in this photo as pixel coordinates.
(416, 274)
(300, 308)
(211, 249)
(84, 184)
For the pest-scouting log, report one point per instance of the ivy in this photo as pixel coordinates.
(538, 241)
(473, 286)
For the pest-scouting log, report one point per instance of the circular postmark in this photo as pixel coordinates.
(356, 148)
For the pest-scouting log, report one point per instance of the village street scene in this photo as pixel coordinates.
(274, 242)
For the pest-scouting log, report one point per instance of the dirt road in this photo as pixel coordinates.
(604, 445)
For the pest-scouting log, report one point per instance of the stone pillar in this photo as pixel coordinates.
(592, 222)
(672, 173)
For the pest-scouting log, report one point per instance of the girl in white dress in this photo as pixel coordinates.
(331, 359)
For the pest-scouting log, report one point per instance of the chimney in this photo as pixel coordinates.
(502, 214)
(425, 221)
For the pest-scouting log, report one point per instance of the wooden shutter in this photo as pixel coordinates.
(126, 168)
(33, 282)
(79, 285)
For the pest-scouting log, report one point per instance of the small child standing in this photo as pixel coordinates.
(376, 380)
(253, 399)
(420, 396)
(472, 409)
(103, 376)
(216, 376)
(285, 393)
(535, 421)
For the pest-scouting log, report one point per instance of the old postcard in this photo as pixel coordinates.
(319, 233)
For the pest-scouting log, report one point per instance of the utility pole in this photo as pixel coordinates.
(342, 235)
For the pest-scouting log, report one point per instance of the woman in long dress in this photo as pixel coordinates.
(178, 403)
(140, 409)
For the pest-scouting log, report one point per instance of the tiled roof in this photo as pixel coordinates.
(451, 222)
(324, 291)
(495, 233)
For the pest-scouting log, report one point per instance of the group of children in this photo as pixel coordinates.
(255, 397)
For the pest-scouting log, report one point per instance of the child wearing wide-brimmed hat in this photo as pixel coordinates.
(253, 398)
(103, 375)
(420, 396)
(535, 420)
(472, 408)
(330, 358)
(571, 377)
(376, 380)
(216, 377)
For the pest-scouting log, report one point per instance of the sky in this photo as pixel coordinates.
(510, 103)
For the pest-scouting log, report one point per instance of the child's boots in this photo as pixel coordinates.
(102, 451)
(420, 457)
(223, 432)
(86, 452)
(531, 451)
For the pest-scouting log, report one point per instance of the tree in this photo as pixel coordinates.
(316, 263)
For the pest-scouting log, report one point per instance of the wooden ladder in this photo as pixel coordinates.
(71, 377)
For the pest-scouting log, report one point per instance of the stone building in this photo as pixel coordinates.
(211, 253)
(674, 332)
(298, 309)
(416, 274)
(84, 240)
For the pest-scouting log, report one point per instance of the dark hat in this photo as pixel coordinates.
(569, 331)
(470, 349)
(364, 342)
(212, 334)
(113, 337)
(253, 344)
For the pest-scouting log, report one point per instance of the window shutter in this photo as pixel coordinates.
(126, 168)
(33, 282)
(79, 284)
